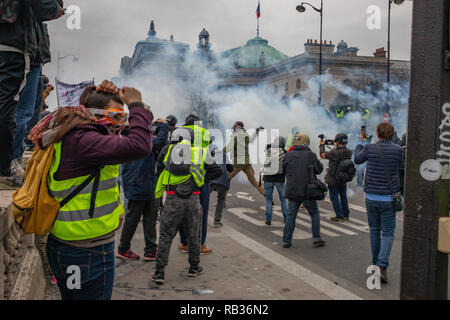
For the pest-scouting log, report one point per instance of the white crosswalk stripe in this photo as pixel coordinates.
(302, 223)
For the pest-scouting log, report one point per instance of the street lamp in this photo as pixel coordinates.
(301, 8)
(388, 79)
(74, 59)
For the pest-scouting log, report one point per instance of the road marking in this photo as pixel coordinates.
(308, 225)
(318, 282)
(240, 212)
(348, 224)
(298, 234)
(352, 206)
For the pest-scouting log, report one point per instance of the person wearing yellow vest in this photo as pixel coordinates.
(87, 159)
(290, 138)
(183, 169)
(202, 139)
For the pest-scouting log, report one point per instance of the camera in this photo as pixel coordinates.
(328, 142)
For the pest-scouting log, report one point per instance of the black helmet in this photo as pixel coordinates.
(190, 119)
(341, 138)
(181, 133)
(171, 120)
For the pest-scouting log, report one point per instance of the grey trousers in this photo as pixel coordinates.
(179, 211)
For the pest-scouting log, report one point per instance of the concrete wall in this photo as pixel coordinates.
(21, 269)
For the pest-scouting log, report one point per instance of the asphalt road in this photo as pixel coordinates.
(343, 260)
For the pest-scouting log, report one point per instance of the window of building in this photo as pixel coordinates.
(275, 88)
(286, 87)
(299, 84)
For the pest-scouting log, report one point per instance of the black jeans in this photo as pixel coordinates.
(12, 74)
(136, 209)
(221, 197)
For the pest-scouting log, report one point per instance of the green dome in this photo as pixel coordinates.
(252, 54)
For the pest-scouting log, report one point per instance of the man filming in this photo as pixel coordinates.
(340, 171)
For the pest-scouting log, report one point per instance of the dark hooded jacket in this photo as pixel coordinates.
(23, 34)
(138, 177)
(296, 168)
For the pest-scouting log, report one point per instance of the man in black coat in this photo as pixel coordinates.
(296, 168)
(337, 188)
(19, 41)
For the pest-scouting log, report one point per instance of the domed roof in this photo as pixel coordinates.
(250, 56)
(342, 44)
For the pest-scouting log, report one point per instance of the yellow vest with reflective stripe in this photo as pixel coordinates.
(73, 221)
(289, 142)
(366, 115)
(197, 170)
(202, 137)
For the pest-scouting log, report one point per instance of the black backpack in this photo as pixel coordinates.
(9, 11)
(345, 171)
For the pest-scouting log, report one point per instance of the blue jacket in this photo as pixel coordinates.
(226, 167)
(138, 176)
(375, 181)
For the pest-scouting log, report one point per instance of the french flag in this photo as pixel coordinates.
(258, 11)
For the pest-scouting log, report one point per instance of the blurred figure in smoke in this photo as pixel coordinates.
(238, 148)
(290, 138)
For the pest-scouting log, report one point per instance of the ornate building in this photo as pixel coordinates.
(258, 64)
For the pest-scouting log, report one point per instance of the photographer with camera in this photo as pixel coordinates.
(382, 188)
(341, 170)
(364, 139)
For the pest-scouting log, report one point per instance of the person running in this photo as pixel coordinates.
(297, 169)
(238, 148)
(384, 159)
(273, 176)
(336, 185)
(183, 169)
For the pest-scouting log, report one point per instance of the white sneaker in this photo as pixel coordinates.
(17, 169)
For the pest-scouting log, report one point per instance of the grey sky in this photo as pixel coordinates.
(110, 29)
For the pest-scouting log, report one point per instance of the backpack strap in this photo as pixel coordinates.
(312, 175)
(96, 176)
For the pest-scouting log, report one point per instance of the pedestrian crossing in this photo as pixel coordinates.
(303, 222)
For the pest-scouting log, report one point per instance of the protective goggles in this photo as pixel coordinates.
(116, 116)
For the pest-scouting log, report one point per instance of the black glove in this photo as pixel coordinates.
(259, 129)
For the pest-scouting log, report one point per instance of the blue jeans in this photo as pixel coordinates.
(204, 201)
(340, 206)
(381, 218)
(360, 174)
(25, 110)
(313, 210)
(96, 265)
(268, 190)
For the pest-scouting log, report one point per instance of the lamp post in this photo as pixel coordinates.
(388, 73)
(74, 59)
(301, 8)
